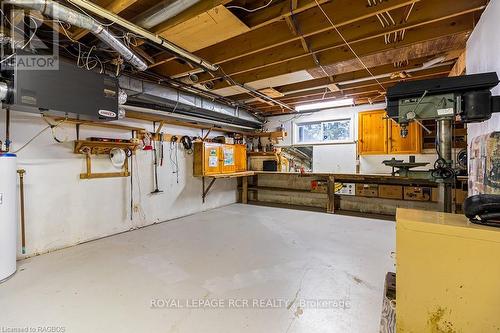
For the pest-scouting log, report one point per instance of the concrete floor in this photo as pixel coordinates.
(285, 258)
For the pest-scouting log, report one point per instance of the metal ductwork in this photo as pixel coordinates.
(162, 12)
(157, 97)
(65, 14)
(158, 40)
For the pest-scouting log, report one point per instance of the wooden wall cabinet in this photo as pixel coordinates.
(379, 136)
(215, 158)
(372, 133)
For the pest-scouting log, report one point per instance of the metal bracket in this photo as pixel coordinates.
(206, 189)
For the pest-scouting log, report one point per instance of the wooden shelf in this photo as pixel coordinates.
(102, 124)
(261, 153)
(272, 135)
(102, 147)
(232, 175)
(89, 147)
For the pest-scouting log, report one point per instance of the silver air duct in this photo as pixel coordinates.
(169, 100)
(97, 10)
(162, 12)
(59, 12)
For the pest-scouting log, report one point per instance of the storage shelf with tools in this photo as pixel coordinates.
(459, 135)
(90, 147)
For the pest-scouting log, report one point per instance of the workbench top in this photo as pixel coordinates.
(452, 224)
(354, 177)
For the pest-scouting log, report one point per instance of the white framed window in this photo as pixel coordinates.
(327, 131)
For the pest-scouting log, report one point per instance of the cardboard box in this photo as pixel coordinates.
(416, 193)
(460, 196)
(390, 192)
(319, 186)
(367, 190)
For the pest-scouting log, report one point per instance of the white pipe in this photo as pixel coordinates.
(59, 12)
(145, 34)
(162, 12)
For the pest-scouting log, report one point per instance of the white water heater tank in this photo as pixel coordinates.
(8, 215)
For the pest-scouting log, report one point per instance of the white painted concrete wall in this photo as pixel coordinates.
(62, 210)
(340, 158)
(483, 55)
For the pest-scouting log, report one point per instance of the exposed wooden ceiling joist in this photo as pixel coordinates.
(195, 10)
(355, 75)
(278, 33)
(345, 90)
(116, 6)
(425, 38)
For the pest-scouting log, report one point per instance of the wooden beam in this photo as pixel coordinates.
(279, 11)
(195, 10)
(277, 33)
(324, 81)
(325, 43)
(459, 68)
(460, 28)
(117, 6)
(102, 124)
(356, 88)
(355, 93)
(253, 21)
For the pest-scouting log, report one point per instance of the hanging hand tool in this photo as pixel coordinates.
(161, 149)
(155, 166)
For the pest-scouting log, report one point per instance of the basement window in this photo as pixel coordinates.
(331, 131)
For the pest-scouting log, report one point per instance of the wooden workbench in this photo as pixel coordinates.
(294, 189)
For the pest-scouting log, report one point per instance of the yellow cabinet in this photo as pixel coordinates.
(411, 144)
(240, 157)
(228, 163)
(215, 158)
(378, 135)
(372, 133)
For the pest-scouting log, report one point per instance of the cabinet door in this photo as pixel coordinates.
(227, 159)
(211, 157)
(372, 133)
(412, 144)
(240, 158)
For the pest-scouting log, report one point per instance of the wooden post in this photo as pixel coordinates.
(89, 164)
(244, 190)
(330, 206)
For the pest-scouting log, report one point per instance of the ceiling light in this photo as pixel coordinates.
(325, 105)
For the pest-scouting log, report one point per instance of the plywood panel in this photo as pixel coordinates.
(212, 27)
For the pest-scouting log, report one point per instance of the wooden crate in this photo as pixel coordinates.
(390, 192)
(417, 193)
(367, 190)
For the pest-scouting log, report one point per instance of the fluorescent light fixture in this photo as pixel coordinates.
(324, 105)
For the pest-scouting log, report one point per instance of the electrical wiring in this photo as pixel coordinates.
(137, 207)
(251, 10)
(50, 126)
(7, 58)
(348, 45)
(90, 16)
(29, 40)
(94, 59)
